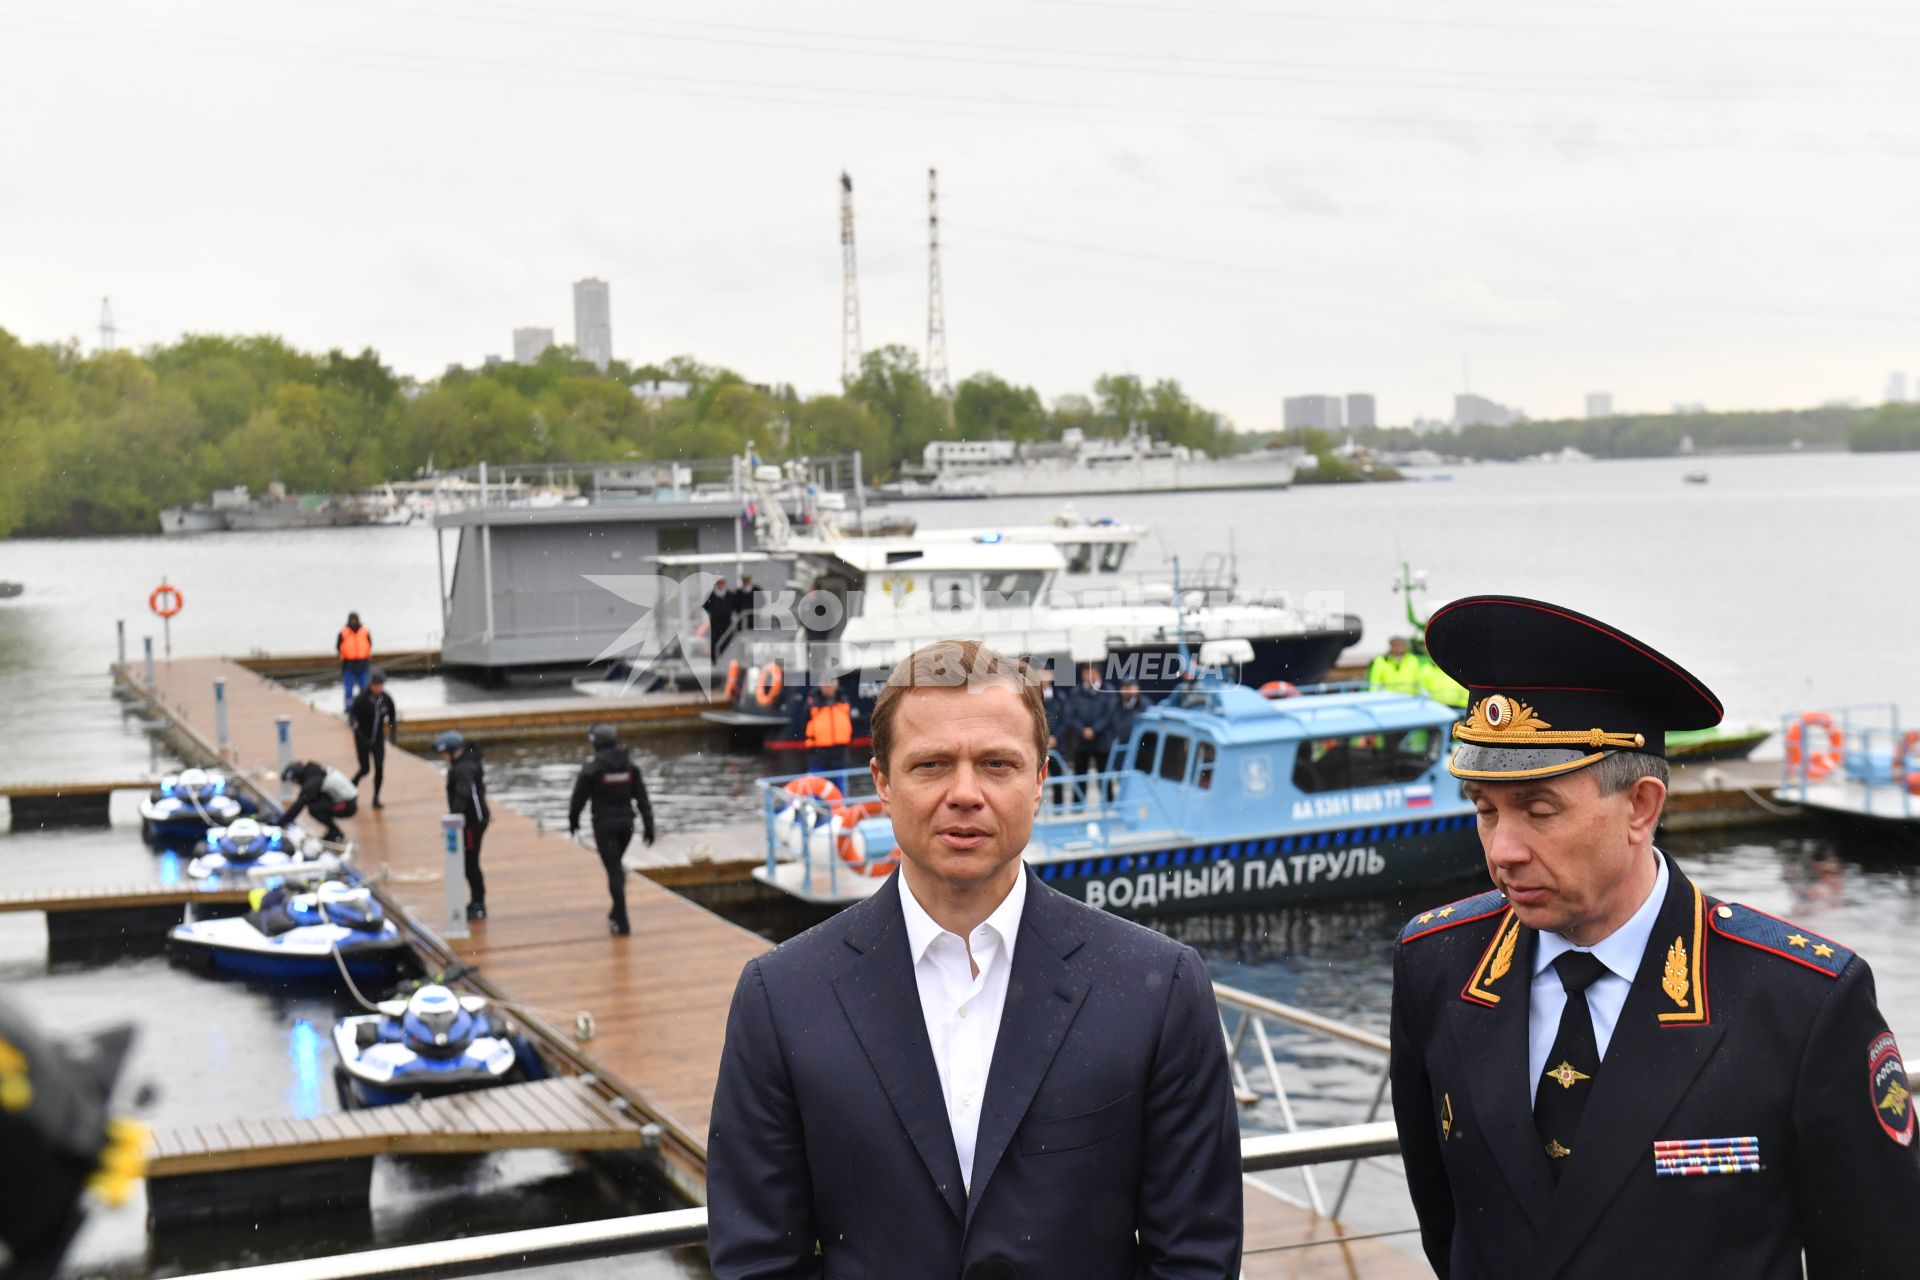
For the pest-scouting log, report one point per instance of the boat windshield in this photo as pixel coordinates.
(1365, 760)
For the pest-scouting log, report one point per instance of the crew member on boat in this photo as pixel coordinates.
(1396, 670)
(1599, 1070)
(829, 727)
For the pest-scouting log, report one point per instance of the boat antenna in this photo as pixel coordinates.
(1179, 614)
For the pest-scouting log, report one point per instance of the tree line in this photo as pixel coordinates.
(100, 443)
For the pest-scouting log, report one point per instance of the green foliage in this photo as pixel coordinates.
(99, 444)
(1652, 435)
(1890, 427)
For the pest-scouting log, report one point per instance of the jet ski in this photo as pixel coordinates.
(295, 934)
(252, 850)
(185, 804)
(431, 1043)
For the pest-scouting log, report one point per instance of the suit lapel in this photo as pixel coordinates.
(1659, 1046)
(1491, 1044)
(1043, 997)
(881, 998)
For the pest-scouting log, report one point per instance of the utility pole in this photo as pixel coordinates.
(107, 330)
(936, 301)
(850, 289)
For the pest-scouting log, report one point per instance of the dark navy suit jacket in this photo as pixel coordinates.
(1108, 1144)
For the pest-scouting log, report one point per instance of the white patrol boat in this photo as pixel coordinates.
(1220, 798)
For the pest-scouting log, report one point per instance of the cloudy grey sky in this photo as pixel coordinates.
(1695, 201)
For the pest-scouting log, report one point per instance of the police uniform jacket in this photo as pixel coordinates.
(611, 783)
(1737, 1025)
(467, 788)
(373, 717)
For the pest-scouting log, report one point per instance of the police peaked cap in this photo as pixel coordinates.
(1553, 691)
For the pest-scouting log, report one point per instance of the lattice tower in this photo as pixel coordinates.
(936, 298)
(850, 352)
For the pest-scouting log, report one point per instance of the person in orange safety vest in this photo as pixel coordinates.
(355, 647)
(829, 727)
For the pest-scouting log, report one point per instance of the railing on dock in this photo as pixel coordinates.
(1863, 745)
(1249, 1022)
(679, 1228)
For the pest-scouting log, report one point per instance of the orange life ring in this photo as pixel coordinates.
(171, 594)
(1903, 756)
(816, 787)
(1815, 764)
(1278, 689)
(767, 686)
(850, 816)
(733, 680)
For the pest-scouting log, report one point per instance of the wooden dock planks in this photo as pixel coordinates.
(555, 1114)
(115, 897)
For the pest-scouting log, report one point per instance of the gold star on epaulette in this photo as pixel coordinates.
(1822, 950)
(1427, 918)
(1796, 939)
(1444, 912)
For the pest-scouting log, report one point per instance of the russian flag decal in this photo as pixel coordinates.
(1419, 797)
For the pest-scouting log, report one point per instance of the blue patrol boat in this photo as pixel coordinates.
(1220, 798)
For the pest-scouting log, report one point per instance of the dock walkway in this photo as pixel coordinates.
(658, 999)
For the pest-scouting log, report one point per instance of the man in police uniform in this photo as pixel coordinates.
(611, 782)
(1599, 1070)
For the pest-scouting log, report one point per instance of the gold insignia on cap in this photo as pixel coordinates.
(1674, 980)
(1499, 721)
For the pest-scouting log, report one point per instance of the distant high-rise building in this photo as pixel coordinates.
(1470, 410)
(492, 362)
(1897, 387)
(1321, 413)
(1360, 411)
(593, 323)
(1599, 404)
(529, 344)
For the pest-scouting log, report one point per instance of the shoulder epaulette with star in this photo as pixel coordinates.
(1770, 933)
(1492, 902)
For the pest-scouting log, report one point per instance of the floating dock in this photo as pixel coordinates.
(46, 804)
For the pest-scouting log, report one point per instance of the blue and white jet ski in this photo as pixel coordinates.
(252, 850)
(295, 935)
(179, 810)
(432, 1043)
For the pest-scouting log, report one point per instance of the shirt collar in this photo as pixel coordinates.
(1620, 950)
(922, 929)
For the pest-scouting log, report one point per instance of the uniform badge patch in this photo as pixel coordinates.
(1889, 1089)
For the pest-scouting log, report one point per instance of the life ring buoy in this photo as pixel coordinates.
(733, 680)
(851, 851)
(1814, 764)
(815, 787)
(1903, 755)
(1278, 689)
(767, 686)
(166, 600)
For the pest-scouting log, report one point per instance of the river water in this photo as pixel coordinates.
(1785, 582)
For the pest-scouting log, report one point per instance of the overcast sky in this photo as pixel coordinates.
(1698, 201)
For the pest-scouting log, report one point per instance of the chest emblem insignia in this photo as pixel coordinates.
(1566, 1075)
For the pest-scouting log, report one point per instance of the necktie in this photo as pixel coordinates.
(1572, 1063)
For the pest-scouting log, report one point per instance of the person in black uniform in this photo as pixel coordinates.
(375, 723)
(1599, 1070)
(611, 783)
(1089, 727)
(467, 796)
(310, 776)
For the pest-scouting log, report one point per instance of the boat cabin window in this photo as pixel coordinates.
(1079, 557)
(1366, 760)
(1010, 587)
(1112, 556)
(1143, 755)
(952, 592)
(1173, 760)
(1203, 771)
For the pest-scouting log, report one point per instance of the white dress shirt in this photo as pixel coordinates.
(963, 1009)
(1620, 951)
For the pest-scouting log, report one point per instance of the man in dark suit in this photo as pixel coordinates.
(970, 1074)
(1600, 1071)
